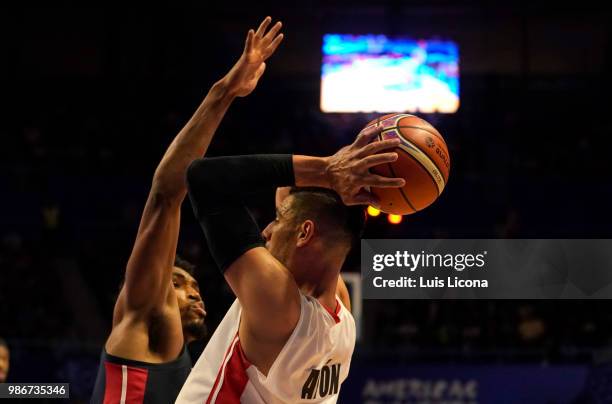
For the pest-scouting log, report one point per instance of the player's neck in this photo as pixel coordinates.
(323, 288)
(317, 275)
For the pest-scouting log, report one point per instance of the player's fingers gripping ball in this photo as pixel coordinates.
(424, 162)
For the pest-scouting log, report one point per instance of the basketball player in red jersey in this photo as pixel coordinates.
(287, 338)
(159, 308)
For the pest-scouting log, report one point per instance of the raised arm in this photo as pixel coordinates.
(219, 187)
(149, 268)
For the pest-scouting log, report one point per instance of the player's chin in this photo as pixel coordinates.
(195, 323)
(191, 317)
(196, 328)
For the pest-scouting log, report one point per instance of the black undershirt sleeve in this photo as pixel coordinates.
(219, 188)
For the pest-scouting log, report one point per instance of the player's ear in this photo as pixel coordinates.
(305, 233)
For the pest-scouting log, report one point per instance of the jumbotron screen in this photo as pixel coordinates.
(377, 73)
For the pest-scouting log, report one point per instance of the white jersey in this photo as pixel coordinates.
(309, 369)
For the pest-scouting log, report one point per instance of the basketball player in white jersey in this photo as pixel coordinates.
(287, 338)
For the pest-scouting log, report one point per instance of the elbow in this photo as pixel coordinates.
(165, 191)
(171, 186)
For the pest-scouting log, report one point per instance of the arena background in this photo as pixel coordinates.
(92, 96)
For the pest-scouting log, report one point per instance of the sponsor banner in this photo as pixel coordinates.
(438, 384)
(486, 269)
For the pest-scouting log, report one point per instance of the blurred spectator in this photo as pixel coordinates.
(4, 360)
(530, 326)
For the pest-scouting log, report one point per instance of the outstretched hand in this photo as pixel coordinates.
(349, 173)
(259, 46)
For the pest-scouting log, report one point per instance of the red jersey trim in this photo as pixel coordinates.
(235, 377)
(335, 312)
(232, 377)
(220, 372)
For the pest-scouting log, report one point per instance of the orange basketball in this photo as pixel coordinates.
(423, 162)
